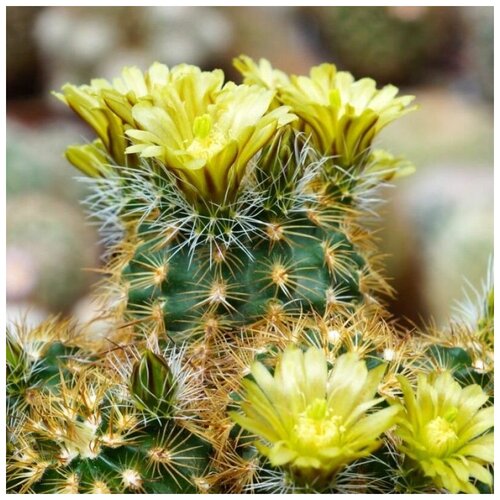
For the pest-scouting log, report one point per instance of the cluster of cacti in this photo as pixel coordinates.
(254, 352)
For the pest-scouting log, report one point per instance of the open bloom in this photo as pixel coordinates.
(445, 431)
(342, 115)
(107, 108)
(207, 142)
(313, 421)
(86, 101)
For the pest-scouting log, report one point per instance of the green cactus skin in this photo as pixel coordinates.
(293, 272)
(299, 251)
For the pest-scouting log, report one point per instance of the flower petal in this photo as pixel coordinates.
(316, 373)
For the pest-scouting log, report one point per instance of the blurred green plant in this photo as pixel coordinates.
(391, 44)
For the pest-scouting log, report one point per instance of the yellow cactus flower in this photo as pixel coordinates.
(311, 421)
(155, 87)
(107, 107)
(444, 430)
(342, 115)
(86, 101)
(91, 159)
(208, 144)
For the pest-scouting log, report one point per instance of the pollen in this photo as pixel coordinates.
(440, 436)
(317, 428)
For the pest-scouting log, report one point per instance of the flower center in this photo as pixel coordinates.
(207, 139)
(316, 428)
(440, 436)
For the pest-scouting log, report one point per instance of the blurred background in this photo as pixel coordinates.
(437, 226)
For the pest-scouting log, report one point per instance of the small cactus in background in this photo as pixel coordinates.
(253, 352)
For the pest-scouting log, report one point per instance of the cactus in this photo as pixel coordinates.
(327, 406)
(254, 353)
(234, 202)
(75, 425)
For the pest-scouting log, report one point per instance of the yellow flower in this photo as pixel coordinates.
(207, 141)
(342, 115)
(187, 119)
(313, 421)
(156, 86)
(444, 430)
(86, 101)
(107, 107)
(91, 159)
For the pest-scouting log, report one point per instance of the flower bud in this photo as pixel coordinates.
(16, 361)
(152, 385)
